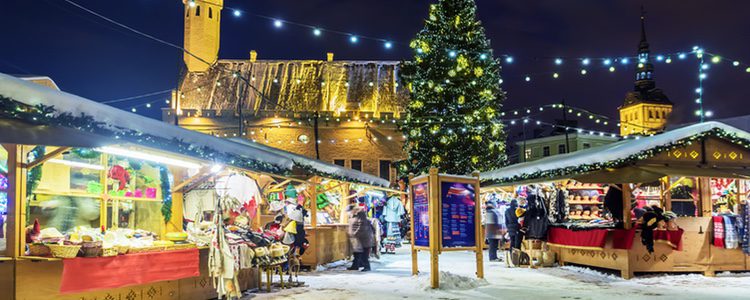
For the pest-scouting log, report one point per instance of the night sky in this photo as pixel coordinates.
(91, 58)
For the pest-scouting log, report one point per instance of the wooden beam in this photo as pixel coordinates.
(280, 184)
(46, 157)
(627, 194)
(202, 173)
(332, 188)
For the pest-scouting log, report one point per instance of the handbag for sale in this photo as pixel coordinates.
(291, 227)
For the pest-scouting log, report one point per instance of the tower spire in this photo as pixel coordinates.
(644, 43)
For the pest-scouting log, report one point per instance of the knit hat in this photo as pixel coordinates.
(520, 212)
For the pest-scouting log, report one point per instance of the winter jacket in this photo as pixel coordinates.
(536, 219)
(493, 228)
(511, 220)
(361, 233)
(393, 210)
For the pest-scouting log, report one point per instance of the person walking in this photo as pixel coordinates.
(514, 228)
(362, 237)
(492, 229)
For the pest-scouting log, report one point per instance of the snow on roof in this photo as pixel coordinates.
(604, 154)
(118, 120)
(319, 166)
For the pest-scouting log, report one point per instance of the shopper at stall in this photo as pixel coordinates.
(511, 222)
(361, 235)
(492, 229)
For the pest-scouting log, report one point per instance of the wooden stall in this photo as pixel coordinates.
(695, 174)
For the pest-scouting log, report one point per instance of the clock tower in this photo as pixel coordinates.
(646, 109)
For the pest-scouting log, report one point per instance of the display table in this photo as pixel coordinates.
(91, 274)
(328, 243)
(41, 279)
(686, 250)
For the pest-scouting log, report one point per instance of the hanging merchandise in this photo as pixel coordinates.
(731, 238)
(743, 226)
(290, 192)
(650, 222)
(558, 206)
(718, 231)
(393, 210)
(536, 220)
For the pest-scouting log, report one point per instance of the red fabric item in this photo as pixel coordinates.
(719, 231)
(91, 274)
(584, 238)
(672, 238)
(622, 238)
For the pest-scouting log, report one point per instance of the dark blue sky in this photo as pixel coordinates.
(94, 59)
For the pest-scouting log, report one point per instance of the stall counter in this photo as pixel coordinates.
(328, 243)
(697, 254)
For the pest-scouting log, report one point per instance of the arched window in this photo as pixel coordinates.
(197, 11)
(651, 114)
(210, 13)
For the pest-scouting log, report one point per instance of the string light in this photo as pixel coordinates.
(278, 23)
(388, 45)
(585, 61)
(317, 32)
(353, 39)
(509, 59)
(237, 13)
(607, 62)
(558, 61)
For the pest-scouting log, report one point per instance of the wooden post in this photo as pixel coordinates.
(315, 183)
(434, 192)
(414, 252)
(478, 228)
(706, 204)
(627, 194)
(666, 193)
(16, 195)
(21, 200)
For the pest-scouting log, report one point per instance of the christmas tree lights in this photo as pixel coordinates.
(453, 75)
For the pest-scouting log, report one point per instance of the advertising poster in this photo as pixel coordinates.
(458, 209)
(421, 210)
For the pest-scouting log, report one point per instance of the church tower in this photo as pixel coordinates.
(202, 28)
(646, 108)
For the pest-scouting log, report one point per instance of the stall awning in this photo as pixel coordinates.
(16, 132)
(616, 162)
(67, 109)
(321, 168)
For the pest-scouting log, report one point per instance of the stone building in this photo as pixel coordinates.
(646, 109)
(343, 112)
(538, 148)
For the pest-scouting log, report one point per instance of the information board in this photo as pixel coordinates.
(421, 209)
(458, 210)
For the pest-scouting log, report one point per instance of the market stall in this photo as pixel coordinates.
(323, 199)
(673, 202)
(95, 201)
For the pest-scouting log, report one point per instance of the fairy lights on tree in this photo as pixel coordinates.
(453, 75)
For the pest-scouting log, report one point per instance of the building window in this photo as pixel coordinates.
(210, 13)
(561, 149)
(527, 154)
(339, 162)
(650, 114)
(545, 151)
(197, 11)
(385, 170)
(356, 164)
(586, 145)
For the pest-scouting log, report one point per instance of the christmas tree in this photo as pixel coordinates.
(452, 120)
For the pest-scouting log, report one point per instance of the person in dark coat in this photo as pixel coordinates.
(362, 237)
(514, 228)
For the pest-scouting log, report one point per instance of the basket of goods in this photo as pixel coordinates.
(112, 251)
(39, 249)
(64, 251)
(176, 236)
(90, 248)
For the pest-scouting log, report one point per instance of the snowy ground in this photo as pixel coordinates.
(391, 279)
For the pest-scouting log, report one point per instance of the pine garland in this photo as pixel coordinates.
(580, 169)
(35, 173)
(166, 190)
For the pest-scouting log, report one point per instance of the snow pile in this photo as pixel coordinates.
(454, 282)
(582, 273)
(331, 266)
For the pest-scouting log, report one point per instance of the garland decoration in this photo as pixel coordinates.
(48, 115)
(166, 190)
(34, 174)
(85, 153)
(585, 168)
